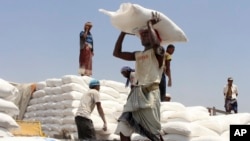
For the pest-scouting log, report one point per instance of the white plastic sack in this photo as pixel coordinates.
(215, 123)
(73, 79)
(175, 137)
(7, 122)
(73, 87)
(110, 91)
(8, 107)
(118, 86)
(189, 116)
(209, 138)
(53, 82)
(40, 85)
(5, 133)
(132, 17)
(172, 106)
(187, 129)
(39, 93)
(7, 90)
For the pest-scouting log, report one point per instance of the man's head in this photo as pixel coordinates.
(145, 38)
(170, 49)
(125, 71)
(230, 80)
(94, 84)
(88, 26)
(144, 35)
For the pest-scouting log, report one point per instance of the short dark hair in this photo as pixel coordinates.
(170, 46)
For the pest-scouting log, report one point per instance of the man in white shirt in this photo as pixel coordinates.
(141, 113)
(231, 92)
(83, 121)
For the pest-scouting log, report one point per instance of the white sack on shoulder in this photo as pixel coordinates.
(131, 18)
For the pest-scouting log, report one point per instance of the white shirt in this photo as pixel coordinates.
(234, 91)
(147, 69)
(87, 103)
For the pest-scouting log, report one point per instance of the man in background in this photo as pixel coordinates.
(86, 50)
(230, 92)
(167, 71)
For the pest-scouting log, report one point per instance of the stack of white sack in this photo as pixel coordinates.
(8, 109)
(55, 105)
(195, 124)
(55, 102)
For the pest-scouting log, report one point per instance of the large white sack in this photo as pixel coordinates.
(71, 103)
(215, 123)
(109, 137)
(39, 93)
(209, 138)
(53, 82)
(187, 129)
(242, 118)
(110, 91)
(69, 111)
(40, 85)
(73, 79)
(225, 134)
(8, 107)
(7, 122)
(172, 106)
(7, 90)
(73, 95)
(165, 115)
(73, 87)
(68, 119)
(197, 108)
(111, 127)
(138, 137)
(188, 116)
(175, 137)
(5, 133)
(132, 17)
(118, 86)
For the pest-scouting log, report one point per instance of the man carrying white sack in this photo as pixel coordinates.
(141, 113)
(83, 121)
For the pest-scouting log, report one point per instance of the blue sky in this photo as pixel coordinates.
(39, 39)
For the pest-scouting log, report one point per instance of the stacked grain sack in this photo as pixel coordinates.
(195, 124)
(55, 102)
(8, 109)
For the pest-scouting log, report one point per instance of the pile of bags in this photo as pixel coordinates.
(8, 109)
(55, 102)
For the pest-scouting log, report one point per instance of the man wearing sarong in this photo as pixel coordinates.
(141, 113)
(86, 50)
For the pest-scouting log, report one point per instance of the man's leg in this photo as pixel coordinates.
(235, 107)
(124, 130)
(162, 87)
(85, 128)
